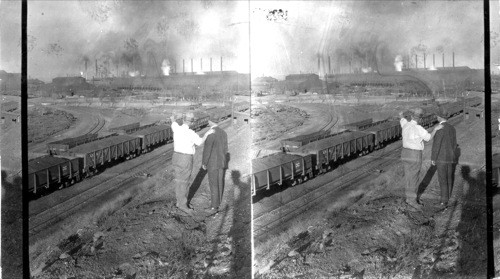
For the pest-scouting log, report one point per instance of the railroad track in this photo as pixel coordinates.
(331, 122)
(47, 217)
(98, 126)
(270, 221)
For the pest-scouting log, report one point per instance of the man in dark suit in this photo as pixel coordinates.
(215, 161)
(443, 156)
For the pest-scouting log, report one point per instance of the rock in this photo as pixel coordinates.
(366, 252)
(427, 256)
(98, 235)
(327, 233)
(266, 268)
(293, 253)
(219, 270)
(140, 255)
(126, 269)
(63, 256)
(308, 260)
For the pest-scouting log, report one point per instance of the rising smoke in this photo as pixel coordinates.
(126, 37)
(357, 35)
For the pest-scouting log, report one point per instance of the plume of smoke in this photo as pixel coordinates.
(165, 67)
(398, 63)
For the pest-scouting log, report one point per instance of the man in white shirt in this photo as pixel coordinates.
(185, 140)
(414, 136)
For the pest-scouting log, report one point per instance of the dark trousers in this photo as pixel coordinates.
(216, 182)
(412, 163)
(445, 178)
(183, 169)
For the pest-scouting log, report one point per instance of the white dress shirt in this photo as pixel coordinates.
(413, 135)
(185, 139)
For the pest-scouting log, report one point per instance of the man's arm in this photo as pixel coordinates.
(200, 140)
(402, 120)
(425, 135)
(436, 147)
(207, 151)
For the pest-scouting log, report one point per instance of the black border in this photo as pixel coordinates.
(24, 135)
(488, 150)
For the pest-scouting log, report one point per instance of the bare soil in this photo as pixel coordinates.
(44, 122)
(375, 235)
(11, 194)
(273, 120)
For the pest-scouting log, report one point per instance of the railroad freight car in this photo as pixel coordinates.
(278, 169)
(130, 130)
(241, 106)
(327, 152)
(61, 146)
(298, 141)
(52, 172)
(452, 108)
(99, 153)
(385, 133)
(473, 101)
(218, 114)
(152, 136)
(125, 128)
(359, 125)
(200, 121)
(428, 120)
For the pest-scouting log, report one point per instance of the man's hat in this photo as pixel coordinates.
(418, 112)
(441, 113)
(189, 116)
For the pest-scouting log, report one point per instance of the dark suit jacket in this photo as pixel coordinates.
(444, 145)
(215, 150)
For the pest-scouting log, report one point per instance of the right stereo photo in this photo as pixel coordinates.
(368, 138)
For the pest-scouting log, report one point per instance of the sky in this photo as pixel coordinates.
(129, 36)
(139, 37)
(369, 34)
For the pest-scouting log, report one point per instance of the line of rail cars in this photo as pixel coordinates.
(218, 114)
(70, 160)
(309, 155)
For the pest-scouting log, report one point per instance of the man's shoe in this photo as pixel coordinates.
(212, 211)
(420, 202)
(186, 210)
(414, 206)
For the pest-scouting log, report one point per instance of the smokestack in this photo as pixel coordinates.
(201, 64)
(183, 67)
(210, 64)
(329, 65)
(433, 60)
(350, 67)
(85, 69)
(453, 59)
(191, 65)
(443, 59)
(416, 61)
(96, 67)
(424, 62)
(318, 64)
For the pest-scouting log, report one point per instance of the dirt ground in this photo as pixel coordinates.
(11, 205)
(147, 237)
(376, 236)
(44, 122)
(495, 146)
